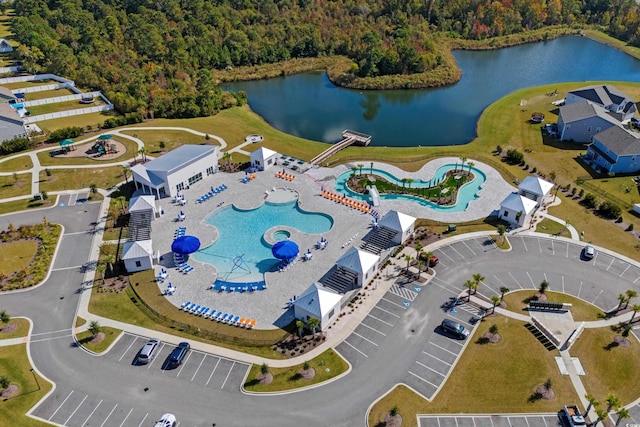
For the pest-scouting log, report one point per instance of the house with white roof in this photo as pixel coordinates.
(359, 265)
(263, 158)
(614, 101)
(5, 46)
(137, 255)
(143, 203)
(535, 188)
(319, 302)
(176, 170)
(399, 223)
(517, 209)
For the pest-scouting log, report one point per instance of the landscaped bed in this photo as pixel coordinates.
(99, 342)
(15, 328)
(581, 310)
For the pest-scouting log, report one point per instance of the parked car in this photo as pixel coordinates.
(148, 351)
(167, 420)
(635, 121)
(589, 252)
(455, 329)
(433, 261)
(574, 417)
(178, 353)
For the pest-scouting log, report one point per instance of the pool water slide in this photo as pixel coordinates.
(375, 195)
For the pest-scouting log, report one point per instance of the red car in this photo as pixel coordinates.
(433, 261)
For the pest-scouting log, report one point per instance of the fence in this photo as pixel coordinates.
(13, 69)
(37, 77)
(42, 88)
(68, 113)
(599, 191)
(64, 98)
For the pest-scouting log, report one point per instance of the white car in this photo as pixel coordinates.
(167, 420)
(589, 252)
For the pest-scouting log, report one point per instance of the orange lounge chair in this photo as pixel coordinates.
(241, 322)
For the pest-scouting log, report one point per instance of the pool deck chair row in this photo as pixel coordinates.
(218, 316)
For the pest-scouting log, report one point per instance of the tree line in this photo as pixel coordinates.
(158, 58)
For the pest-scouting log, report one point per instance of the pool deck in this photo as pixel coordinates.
(270, 307)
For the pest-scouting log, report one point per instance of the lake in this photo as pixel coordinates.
(310, 106)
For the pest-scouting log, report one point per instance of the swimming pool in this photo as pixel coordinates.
(241, 253)
(17, 105)
(466, 193)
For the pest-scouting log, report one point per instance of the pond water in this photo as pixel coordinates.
(310, 106)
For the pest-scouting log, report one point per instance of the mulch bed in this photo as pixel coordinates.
(621, 341)
(9, 328)
(395, 421)
(545, 393)
(492, 338)
(97, 338)
(265, 379)
(308, 374)
(9, 392)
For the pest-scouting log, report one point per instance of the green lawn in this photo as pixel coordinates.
(48, 94)
(489, 379)
(501, 242)
(17, 255)
(10, 187)
(21, 205)
(613, 370)
(15, 365)
(67, 179)
(172, 139)
(58, 106)
(80, 321)
(22, 331)
(95, 120)
(5, 27)
(30, 83)
(327, 365)
(551, 227)
(16, 164)
(110, 334)
(581, 310)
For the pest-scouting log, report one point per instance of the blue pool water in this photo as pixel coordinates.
(466, 193)
(240, 254)
(17, 105)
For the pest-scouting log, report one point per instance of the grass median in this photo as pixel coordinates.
(581, 310)
(18, 184)
(68, 179)
(489, 378)
(25, 204)
(86, 339)
(22, 329)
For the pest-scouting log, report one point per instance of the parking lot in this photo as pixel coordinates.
(634, 411)
(73, 199)
(504, 420)
(71, 407)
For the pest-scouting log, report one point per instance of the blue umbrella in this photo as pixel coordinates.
(185, 245)
(285, 249)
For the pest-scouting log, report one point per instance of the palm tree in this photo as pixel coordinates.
(142, 152)
(503, 290)
(463, 159)
(300, 326)
(101, 268)
(478, 278)
(125, 172)
(636, 310)
(360, 166)
(404, 182)
(418, 248)
(371, 169)
(109, 259)
(622, 413)
(93, 188)
(622, 298)
(544, 285)
(4, 316)
(227, 158)
(408, 258)
(121, 199)
(613, 401)
(592, 401)
(313, 324)
(518, 216)
(470, 164)
(501, 230)
(264, 369)
(630, 294)
(469, 284)
(496, 300)
(353, 171)
(409, 181)
(602, 414)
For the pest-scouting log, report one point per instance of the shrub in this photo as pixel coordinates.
(590, 200)
(4, 382)
(619, 220)
(14, 145)
(630, 227)
(534, 170)
(515, 157)
(610, 210)
(573, 191)
(581, 194)
(66, 133)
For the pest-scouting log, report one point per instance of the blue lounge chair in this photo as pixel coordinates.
(235, 320)
(204, 311)
(191, 307)
(211, 314)
(195, 309)
(185, 305)
(188, 269)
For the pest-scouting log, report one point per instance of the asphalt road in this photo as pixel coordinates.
(399, 341)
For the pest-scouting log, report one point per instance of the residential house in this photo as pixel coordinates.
(580, 121)
(11, 125)
(615, 150)
(5, 46)
(176, 170)
(617, 103)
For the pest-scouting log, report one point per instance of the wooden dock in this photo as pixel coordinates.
(349, 137)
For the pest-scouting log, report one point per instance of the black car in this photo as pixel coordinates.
(178, 353)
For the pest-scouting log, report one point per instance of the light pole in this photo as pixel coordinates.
(35, 378)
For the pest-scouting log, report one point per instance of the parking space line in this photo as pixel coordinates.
(214, 369)
(373, 329)
(76, 410)
(625, 270)
(529, 276)
(63, 402)
(465, 243)
(455, 319)
(196, 372)
(612, 259)
(562, 277)
(353, 347)
(580, 289)
(366, 339)
(567, 256)
(440, 360)
(107, 417)
(185, 362)
(154, 359)
(553, 250)
(448, 351)
(443, 253)
(143, 420)
(501, 282)
(127, 350)
(92, 412)
(474, 421)
(428, 382)
(539, 245)
(594, 258)
(454, 249)
(514, 279)
(228, 373)
(545, 421)
(525, 245)
(594, 300)
(526, 420)
(431, 369)
(386, 311)
(637, 278)
(391, 302)
(125, 418)
(380, 320)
